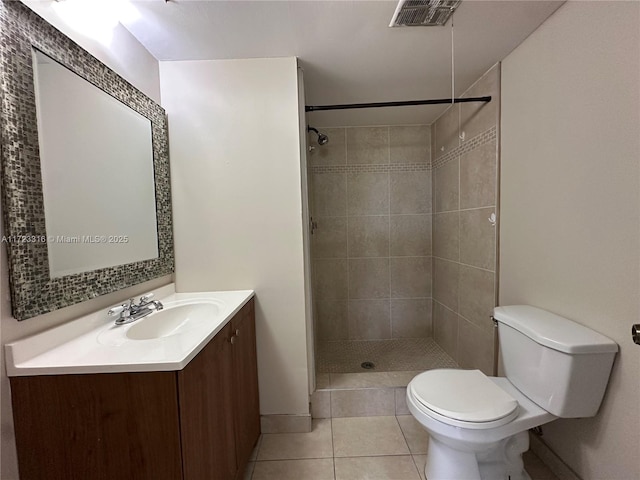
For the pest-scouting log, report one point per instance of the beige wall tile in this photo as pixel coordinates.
(368, 278)
(415, 434)
(401, 401)
(367, 436)
(248, 470)
(478, 238)
(478, 176)
(411, 318)
(368, 193)
(321, 404)
(447, 131)
(410, 192)
(369, 319)
(367, 145)
(323, 380)
(410, 277)
(363, 403)
(330, 194)
(477, 296)
(332, 153)
(400, 467)
(446, 186)
(311, 469)
(410, 144)
(331, 320)
(445, 329)
(330, 279)
(476, 118)
(475, 347)
(369, 236)
(285, 424)
(445, 283)
(410, 235)
(330, 238)
(283, 446)
(446, 235)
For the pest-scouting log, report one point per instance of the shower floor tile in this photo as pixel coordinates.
(406, 354)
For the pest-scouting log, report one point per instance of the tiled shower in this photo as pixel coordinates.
(404, 246)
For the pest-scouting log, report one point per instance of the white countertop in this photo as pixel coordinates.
(94, 344)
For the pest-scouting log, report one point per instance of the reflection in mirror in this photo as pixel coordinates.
(97, 174)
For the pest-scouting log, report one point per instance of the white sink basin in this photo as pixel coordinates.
(172, 320)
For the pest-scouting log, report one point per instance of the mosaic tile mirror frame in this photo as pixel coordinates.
(33, 292)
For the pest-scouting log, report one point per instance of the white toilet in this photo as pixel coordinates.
(478, 424)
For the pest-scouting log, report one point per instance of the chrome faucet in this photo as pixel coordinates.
(130, 312)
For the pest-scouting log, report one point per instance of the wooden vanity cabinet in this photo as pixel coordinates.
(199, 423)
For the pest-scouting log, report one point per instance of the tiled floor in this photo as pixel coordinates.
(387, 355)
(362, 448)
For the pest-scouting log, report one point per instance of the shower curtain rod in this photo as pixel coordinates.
(312, 108)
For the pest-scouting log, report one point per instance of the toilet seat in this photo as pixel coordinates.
(463, 398)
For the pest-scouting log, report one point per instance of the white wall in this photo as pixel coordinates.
(131, 60)
(570, 235)
(235, 171)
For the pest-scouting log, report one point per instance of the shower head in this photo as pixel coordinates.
(322, 138)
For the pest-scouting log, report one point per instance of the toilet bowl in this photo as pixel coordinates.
(489, 442)
(478, 425)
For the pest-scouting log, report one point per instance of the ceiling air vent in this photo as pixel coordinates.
(423, 13)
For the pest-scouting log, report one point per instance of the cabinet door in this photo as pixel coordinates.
(97, 426)
(247, 414)
(206, 400)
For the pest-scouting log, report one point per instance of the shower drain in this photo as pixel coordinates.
(368, 365)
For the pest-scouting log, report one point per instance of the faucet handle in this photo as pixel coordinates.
(118, 309)
(144, 299)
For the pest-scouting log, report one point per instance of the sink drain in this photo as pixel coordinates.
(368, 365)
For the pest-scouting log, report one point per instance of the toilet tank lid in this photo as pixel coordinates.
(554, 331)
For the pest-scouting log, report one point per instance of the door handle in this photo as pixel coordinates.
(635, 333)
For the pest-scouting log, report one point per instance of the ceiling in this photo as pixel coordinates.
(347, 51)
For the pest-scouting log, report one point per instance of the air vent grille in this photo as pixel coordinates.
(423, 13)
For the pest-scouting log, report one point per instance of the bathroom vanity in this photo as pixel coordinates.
(188, 409)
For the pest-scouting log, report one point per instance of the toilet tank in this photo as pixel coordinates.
(561, 365)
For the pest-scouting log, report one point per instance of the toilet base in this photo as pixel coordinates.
(499, 461)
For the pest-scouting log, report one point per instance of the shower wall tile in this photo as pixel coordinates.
(446, 127)
(445, 282)
(368, 278)
(477, 296)
(369, 236)
(369, 319)
(475, 347)
(446, 187)
(465, 161)
(446, 235)
(478, 177)
(411, 318)
(332, 153)
(410, 144)
(330, 194)
(445, 329)
(371, 191)
(476, 118)
(330, 238)
(410, 192)
(331, 320)
(368, 194)
(367, 402)
(368, 145)
(478, 238)
(410, 277)
(330, 277)
(410, 235)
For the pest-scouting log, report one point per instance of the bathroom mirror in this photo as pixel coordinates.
(86, 194)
